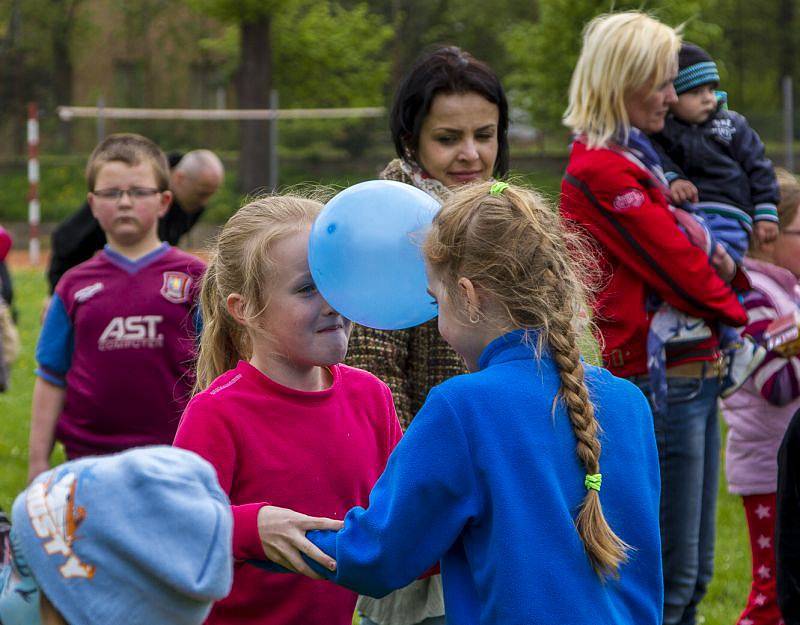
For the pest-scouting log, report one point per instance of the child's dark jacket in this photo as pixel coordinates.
(724, 158)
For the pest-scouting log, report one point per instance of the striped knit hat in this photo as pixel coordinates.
(695, 68)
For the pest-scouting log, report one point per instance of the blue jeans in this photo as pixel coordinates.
(688, 440)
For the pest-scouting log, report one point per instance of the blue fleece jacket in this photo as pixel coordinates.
(486, 480)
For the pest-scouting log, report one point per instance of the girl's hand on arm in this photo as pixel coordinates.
(283, 536)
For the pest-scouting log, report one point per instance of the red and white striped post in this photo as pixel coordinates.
(34, 209)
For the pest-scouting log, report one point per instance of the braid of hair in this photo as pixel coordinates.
(514, 245)
(606, 551)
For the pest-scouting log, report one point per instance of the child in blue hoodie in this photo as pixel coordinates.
(498, 478)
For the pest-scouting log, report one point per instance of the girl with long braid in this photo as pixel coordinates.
(533, 479)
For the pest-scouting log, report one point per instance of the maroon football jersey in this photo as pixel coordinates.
(121, 335)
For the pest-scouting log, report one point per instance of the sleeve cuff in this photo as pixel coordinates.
(246, 541)
(672, 176)
(765, 212)
(49, 376)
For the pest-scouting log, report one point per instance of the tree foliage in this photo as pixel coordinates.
(326, 55)
(543, 53)
(352, 52)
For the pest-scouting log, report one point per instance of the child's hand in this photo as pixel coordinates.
(283, 536)
(723, 263)
(765, 231)
(683, 191)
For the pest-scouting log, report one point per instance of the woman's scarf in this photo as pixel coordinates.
(639, 145)
(409, 172)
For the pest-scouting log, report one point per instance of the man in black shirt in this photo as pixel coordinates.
(194, 178)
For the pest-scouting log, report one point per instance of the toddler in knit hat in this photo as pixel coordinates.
(141, 538)
(717, 170)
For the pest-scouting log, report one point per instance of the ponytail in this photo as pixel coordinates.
(221, 341)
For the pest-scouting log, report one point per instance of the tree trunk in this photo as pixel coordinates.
(253, 88)
(62, 64)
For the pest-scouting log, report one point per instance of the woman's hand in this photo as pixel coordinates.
(283, 536)
(723, 263)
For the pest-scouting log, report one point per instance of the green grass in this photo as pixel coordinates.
(725, 599)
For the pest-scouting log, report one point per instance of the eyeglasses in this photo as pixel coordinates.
(135, 193)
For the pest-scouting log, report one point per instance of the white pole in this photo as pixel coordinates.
(34, 209)
(788, 123)
(68, 113)
(273, 142)
(101, 119)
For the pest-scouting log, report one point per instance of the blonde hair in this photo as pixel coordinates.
(622, 53)
(241, 263)
(514, 246)
(790, 197)
(131, 149)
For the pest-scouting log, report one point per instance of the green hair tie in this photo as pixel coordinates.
(593, 481)
(498, 188)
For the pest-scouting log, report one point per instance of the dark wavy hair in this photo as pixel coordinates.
(445, 70)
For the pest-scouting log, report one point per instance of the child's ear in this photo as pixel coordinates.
(90, 202)
(235, 305)
(471, 299)
(166, 200)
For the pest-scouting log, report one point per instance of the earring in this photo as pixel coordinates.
(474, 316)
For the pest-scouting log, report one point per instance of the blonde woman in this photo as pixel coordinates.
(615, 190)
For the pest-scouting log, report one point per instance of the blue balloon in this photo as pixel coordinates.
(365, 254)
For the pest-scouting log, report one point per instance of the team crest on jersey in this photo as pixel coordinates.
(55, 517)
(175, 287)
(88, 291)
(631, 198)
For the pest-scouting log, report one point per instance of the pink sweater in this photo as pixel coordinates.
(758, 413)
(316, 452)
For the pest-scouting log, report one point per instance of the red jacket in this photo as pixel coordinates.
(642, 251)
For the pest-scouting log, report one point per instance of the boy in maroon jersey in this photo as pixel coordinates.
(117, 345)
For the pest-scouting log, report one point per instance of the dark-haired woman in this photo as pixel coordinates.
(449, 123)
